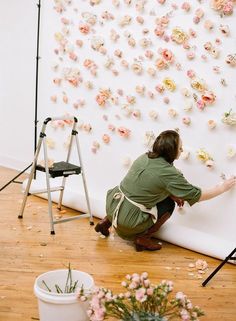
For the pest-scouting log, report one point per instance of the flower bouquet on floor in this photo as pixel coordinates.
(141, 301)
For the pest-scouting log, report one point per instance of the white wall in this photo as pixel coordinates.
(18, 23)
(210, 224)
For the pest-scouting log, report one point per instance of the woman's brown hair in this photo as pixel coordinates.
(166, 146)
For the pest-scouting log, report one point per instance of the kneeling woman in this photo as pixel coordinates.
(145, 198)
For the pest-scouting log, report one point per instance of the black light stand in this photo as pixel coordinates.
(229, 257)
(36, 103)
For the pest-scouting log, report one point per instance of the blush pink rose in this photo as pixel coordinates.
(123, 132)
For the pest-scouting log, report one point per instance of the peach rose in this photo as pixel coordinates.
(161, 64)
(208, 97)
(106, 139)
(137, 68)
(84, 28)
(211, 124)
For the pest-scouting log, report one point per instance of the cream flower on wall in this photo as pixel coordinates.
(229, 118)
(149, 138)
(153, 114)
(203, 156)
(169, 84)
(231, 60)
(211, 124)
(140, 89)
(97, 42)
(198, 84)
(94, 2)
(188, 106)
(89, 17)
(179, 36)
(185, 154)
(125, 21)
(231, 151)
(137, 68)
(172, 112)
(50, 143)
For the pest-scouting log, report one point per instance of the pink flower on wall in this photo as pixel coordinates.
(124, 132)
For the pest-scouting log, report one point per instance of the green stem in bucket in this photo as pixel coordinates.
(44, 283)
(67, 280)
(59, 290)
(72, 289)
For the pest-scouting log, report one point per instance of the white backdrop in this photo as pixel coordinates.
(18, 27)
(207, 227)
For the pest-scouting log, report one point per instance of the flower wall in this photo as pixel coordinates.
(129, 69)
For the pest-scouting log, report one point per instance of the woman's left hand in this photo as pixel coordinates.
(177, 200)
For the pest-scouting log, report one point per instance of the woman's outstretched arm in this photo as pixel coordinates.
(218, 189)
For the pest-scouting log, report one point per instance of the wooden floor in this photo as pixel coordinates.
(27, 250)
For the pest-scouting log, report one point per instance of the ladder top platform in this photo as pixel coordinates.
(61, 169)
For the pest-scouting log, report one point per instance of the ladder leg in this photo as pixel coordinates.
(26, 193)
(67, 160)
(48, 188)
(84, 181)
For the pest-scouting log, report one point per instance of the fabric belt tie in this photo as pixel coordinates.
(121, 196)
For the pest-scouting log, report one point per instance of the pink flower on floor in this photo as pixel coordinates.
(201, 264)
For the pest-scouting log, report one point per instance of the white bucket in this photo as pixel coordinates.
(55, 306)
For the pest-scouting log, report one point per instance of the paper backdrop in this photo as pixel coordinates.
(129, 70)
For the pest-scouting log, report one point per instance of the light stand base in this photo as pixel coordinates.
(229, 257)
(14, 178)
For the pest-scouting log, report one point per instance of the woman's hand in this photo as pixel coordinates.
(177, 200)
(228, 184)
(218, 189)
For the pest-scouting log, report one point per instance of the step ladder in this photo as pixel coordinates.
(59, 169)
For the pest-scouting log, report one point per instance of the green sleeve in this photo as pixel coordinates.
(177, 185)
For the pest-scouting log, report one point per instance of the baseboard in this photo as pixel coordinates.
(13, 163)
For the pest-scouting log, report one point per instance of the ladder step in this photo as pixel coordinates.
(61, 169)
(45, 190)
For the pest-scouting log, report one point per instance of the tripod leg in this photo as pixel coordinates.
(12, 180)
(219, 267)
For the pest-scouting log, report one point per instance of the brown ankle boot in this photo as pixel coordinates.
(146, 243)
(103, 227)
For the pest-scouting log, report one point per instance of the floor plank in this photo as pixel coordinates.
(27, 250)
